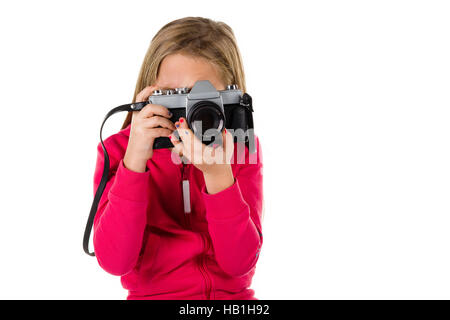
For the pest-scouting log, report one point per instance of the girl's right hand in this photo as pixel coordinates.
(146, 125)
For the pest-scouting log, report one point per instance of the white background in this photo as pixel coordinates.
(352, 107)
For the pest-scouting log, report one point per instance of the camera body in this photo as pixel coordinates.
(208, 112)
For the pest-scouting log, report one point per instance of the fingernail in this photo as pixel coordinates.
(170, 137)
(225, 130)
(177, 125)
(181, 119)
(170, 114)
(185, 132)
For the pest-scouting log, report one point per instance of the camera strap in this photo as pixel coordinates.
(98, 194)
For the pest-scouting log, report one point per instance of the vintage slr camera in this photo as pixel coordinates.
(208, 112)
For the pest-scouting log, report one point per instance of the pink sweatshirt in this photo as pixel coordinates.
(142, 233)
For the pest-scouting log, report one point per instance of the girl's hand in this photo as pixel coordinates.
(213, 160)
(146, 125)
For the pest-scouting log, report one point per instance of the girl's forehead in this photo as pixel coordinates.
(177, 71)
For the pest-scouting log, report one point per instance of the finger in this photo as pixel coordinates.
(219, 149)
(178, 146)
(145, 93)
(227, 138)
(228, 144)
(160, 132)
(173, 138)
(151, 110)
(193, 146)
(182, 128)
(220, 140)
(156, 121)
(186, 135)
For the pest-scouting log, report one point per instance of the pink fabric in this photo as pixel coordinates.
(142, 234)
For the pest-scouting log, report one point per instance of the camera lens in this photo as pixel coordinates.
(205, 115)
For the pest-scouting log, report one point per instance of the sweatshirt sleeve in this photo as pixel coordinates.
(234, 218)
(121, 215)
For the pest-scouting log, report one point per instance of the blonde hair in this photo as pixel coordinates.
(198, 37)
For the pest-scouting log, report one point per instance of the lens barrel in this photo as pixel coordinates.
(205, 115)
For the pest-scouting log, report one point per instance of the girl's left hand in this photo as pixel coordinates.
(210, 159)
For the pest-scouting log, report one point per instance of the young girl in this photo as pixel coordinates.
(142, 231)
